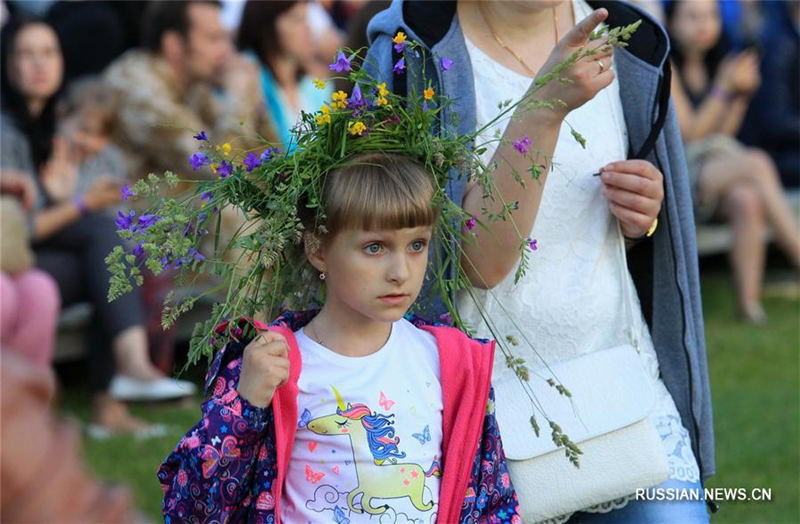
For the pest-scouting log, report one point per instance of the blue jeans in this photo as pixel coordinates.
(652, 511)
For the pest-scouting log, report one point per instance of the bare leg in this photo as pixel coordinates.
(133, 360)
(742, 206)
(778, 211)
(729, 180)
(755, 166)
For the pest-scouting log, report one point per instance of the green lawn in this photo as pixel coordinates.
(754, 383)
(754, 378)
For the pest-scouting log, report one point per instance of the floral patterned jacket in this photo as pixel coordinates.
(232, 464)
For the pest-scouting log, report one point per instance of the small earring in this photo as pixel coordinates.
(322, 276)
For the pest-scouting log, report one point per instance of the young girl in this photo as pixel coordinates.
(351, 413)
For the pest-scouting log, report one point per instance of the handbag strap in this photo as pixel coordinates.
(627, 292)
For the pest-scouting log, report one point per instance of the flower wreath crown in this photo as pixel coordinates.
(267, 188)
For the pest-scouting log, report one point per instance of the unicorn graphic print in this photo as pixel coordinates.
(382, 474)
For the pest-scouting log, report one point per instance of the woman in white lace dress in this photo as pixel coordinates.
(570, 301)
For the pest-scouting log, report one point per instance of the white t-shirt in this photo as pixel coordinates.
(384, 450)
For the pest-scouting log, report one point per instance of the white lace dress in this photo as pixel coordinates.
(570, 302)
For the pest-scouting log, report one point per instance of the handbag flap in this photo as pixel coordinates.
(610, 389)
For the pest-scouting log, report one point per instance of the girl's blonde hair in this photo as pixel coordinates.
(377, 191)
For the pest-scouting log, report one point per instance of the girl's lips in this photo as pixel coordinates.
(394, 299)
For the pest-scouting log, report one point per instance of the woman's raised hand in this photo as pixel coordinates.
(59, 174)
(265, 366)
(587, 76)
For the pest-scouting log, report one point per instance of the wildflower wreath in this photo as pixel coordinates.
(268, 187)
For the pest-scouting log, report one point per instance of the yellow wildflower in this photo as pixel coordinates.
(428, 93)
(382, 91)
(319, 84)
(226, 149)
(325, 117)
(214, 167)
(399, 38)
(356, 128)
(381, 101)
(340, 97)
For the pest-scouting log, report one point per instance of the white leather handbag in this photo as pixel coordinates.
(607, 416)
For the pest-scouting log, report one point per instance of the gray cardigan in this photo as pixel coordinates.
(664, 267)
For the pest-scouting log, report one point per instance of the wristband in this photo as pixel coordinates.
(80, 203)
(721, 94)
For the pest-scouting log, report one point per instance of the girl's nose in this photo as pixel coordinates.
(398, 269)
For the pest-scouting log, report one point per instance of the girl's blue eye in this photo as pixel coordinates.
(417, 246)
(373, 249)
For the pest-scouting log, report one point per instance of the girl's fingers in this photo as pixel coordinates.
(633, 183)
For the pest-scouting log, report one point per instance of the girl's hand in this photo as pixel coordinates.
(635, 190)
(265, 366)
(587, 76)
(104, 192)
(60, 173)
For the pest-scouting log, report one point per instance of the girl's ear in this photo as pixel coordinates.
(313, 249)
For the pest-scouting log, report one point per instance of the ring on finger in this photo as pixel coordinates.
(602, 65)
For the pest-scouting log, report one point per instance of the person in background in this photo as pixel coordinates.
(185, 78)
(277, 33)
(711, 92)
(71, 236)
(87, 117)
(29, 299)
(773, 120)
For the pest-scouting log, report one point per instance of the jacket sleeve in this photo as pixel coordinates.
(209, 475)
(490, 496)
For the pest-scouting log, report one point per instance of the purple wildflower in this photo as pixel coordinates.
(446, 318)
(471, 223)
(124, 222)
(196, 255)
(341, 63)
(251, 161)
(198, 160)
(126, 192)
(356, 99)
(207, 195)
(139, 250)
(268, 154)
(425, 107)
(201, 136)
(522, 144)
(224, 169)
(532, 243)
(146, 221)
(446, 63)
(399, 66)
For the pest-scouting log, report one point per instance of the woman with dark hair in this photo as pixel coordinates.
(71, 235)
(277, 33)
(711, 92)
